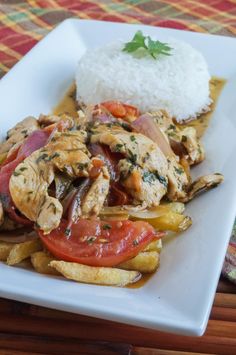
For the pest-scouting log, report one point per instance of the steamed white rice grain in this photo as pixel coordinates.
(178, 83)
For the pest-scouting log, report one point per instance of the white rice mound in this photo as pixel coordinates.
(178, 83)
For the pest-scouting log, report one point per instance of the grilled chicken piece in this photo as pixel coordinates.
(69, 153)
(183, 141)
(178, 180)
(17, 134)
(30, 181)
(65, 121)
(1, 214)
(144, 163)
(94, 199)
(191, 143)
(137, 148)
(28, 187)
(145, 186)
(178, 175)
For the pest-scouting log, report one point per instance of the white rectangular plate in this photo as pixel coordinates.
(179, 296)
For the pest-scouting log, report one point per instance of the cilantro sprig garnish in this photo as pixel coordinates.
(148, 46)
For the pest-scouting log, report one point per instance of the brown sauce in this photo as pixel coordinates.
(68, 105)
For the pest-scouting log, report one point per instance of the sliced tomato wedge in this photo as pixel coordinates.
(120, 110)
(99, 243)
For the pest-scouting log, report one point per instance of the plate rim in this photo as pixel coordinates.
(197, 328)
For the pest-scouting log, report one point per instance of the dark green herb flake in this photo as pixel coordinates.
(44, 156)
(171, 126)
(82, 166)
(106, 226)
(16, 173)
(118, 147)
(90, 240)
(132, 156)
(179, 170)
(132, 138)
(67, 232)
(55, 155)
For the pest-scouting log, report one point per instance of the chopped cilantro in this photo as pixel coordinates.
(25, 132)
(132, 138)
(67, 232)
(179, 170)
(55, 155)
(90, 240)
(106, 226)
(41, 157)
(82, 166)
(132, 156)
(171, 126)
(151, 177)
(118, 147)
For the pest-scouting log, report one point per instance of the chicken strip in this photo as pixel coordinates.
(144, 171)
(17, 134)
(184, 141)
(30, 181)
(69, 153)
(96, 196)
(178, 180)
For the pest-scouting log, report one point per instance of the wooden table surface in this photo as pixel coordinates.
(26, 329)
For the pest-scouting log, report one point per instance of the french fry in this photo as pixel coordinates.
(5, 249)
(23, 251)
(169, 221)
(156, 245)
(172, 222)
(40, 261)
(145, 262)
(95, 275)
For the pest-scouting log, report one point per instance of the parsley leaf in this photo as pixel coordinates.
(156, 48)
(153, 48)
(137, 42)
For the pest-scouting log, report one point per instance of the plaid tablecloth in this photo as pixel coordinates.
(24, 23)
